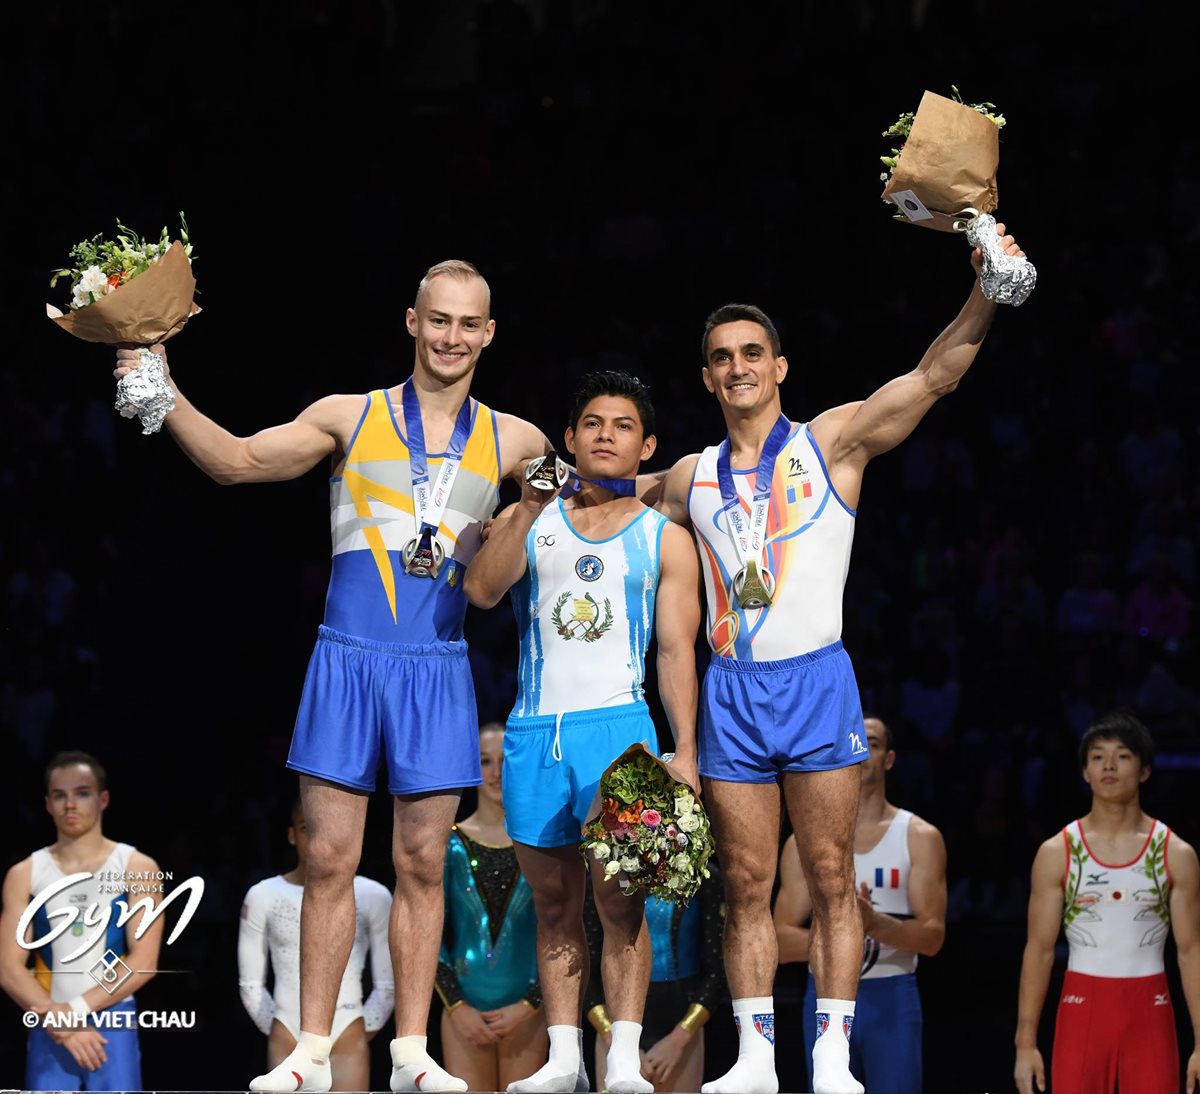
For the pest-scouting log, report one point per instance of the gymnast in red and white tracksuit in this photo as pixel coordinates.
(1117, 881)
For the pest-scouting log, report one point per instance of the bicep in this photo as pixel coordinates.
(1046, 895)
(927, 876)
(677, 601)
(288, 451)
(16, 894)
(1185, 896)
(519, 441)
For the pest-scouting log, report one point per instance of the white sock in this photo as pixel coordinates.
(306, 1067)
(831, 1053)
(414, 1069)
(560, 1073)
(624, 1064)
(754, 1072)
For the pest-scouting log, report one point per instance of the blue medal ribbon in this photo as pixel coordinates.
(744, 541)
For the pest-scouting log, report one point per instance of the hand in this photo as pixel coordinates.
(682, 766)
(1192, 1086)
(469, 1022)
(662, 1059)
(1006, 241)
(507, 1020)
(1030, 1068)
(128, 360)
(86, 1046)
(866, 908)
(535, 499)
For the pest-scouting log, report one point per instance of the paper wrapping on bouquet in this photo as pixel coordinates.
(948, 164)
(597, 806)
(149, 308)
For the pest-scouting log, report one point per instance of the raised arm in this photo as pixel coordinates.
(850, 435)
(520, 442)
(793, 907)
(271, 455)
(925, 932)
(1185, 923)
(677, 619)
(1045, 920)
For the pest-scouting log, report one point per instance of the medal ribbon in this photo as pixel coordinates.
(623, 488)
(430, 504)
(749, 536)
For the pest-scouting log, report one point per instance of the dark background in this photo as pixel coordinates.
(617, 170)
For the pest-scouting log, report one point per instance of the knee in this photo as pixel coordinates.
(558, 906)
(748, 887)
(831, 877)
(330, 860)
(420, 863)
(619, 914)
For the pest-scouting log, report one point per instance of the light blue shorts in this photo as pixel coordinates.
(49, 1066)
(759, 719)
(411, 706)
(553, 764)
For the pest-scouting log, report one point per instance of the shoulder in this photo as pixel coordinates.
(334, 411)
(1182, 861)
(1051, 857)
(924, 836)
(140, 862)
(827, 426)
(519, 441)
(19, 876)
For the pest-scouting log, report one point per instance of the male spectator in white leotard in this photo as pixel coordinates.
(1117, 882)
(270, 932)
(900, 870)
(64, 976)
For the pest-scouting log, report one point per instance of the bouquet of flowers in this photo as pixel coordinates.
(943, 176)
(131, 291)
(649, 830)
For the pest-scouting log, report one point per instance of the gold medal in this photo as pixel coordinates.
(753, 588)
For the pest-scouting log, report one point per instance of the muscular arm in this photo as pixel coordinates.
(926, 931)
(793, 906)
(677, 619)
(1185, 923)
(850, 435)
(520, 442)
(16, 978)
(501, 561)
(1045, 921)
(667, 491)
(271, 455)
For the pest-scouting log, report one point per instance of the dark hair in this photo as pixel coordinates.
(70, 759)
(888, 738)
(594, 384)
(1119, 725)
(731, 313)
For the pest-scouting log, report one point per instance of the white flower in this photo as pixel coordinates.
(91, 281)
(684, 804)
(689, 822)
(612, 867)
(629, 864)
(601, 851)
(675, 881)
(682, 839)
(680, 862)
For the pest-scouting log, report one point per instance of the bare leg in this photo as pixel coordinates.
(477, 1065)
(745, 819)
(335, 818)
(350, 1059)
(556, 876)
(625, 959)
(279, 1044)
(521, 1053)
(421, 825)
(823, 806)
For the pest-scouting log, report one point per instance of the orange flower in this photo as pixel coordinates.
(631, 815)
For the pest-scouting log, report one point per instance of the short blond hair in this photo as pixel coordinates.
(460, 270)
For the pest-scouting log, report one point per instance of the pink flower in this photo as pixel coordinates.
(651, 818)
(672, 830)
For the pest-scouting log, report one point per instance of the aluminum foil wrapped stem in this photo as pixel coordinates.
(146, 393)
(1005, 279)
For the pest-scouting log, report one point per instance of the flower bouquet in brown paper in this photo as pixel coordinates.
(648, 829)
(130, 291)
(943, 176)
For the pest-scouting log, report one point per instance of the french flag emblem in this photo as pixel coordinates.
(822, 1022)
(887, 879)
(765, 1024)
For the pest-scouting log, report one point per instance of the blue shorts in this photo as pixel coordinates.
(885, 1041)
(547, 799)
(761, 718)
(415, 705)
(49, 1066)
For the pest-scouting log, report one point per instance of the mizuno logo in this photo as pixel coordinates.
(1097, 879)
(1161, 1000)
